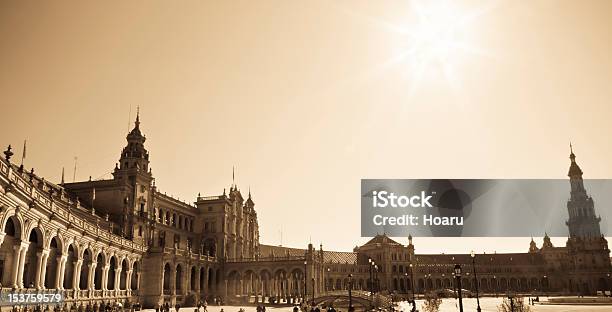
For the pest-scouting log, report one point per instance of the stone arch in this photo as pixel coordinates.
(100, 261)
(249, 282)
(72, 254)
(35, 226)
(36, 241)
(53, 261)
(167, 278)
(503, 284)
(12, 228)
(421, 285)
(203, 279)
(17, 223)
(233, 283)
(534, 283)
(513, 284)
(88, 261)
(178, 283)
(112, 273)
(210, 281)
(217, 278)
(265, 276)
(192, 279)
(123, 264)
(134, 280)
(296, 282)
(484, 284)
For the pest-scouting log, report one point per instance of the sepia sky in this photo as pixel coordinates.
(306, 98)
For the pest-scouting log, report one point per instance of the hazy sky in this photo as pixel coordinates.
(305, 98)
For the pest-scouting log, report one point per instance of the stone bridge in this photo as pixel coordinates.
(341, 298)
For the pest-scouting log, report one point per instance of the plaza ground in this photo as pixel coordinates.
(448, 305)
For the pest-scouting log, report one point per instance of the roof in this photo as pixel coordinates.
(280, 251)
(382, 239)
(339, 257)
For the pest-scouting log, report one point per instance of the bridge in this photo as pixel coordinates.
(359, 298)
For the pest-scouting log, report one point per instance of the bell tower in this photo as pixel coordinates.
(582, 223)
(133, 171)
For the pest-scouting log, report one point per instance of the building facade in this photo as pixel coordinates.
(122, 239)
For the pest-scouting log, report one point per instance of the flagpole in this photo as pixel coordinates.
(74, 172)
(23, 155)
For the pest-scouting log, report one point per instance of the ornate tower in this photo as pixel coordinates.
(582, 223)
(133, 171)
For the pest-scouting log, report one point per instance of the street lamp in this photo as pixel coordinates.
(545, 286)
(329, 281)
(370, 264)
(350, 308)
(511, 298)
(475, 280)
(495, 285)
(412, 281)
(305, 285)
(458, 276)
(376, 277)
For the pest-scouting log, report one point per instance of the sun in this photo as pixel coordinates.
(435, 42)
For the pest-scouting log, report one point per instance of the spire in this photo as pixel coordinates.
(574, 169)
(135, 134)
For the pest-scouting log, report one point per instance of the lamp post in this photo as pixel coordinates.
(454, 286)
(475, 280)
(511, 298)
(495, 285)
(458, 276)
(305, 284)
(350, 308)
(371, 282)
(376, 286)
(328, 284)
(545, 286)
(412, 281)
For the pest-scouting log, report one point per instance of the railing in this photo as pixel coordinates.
(264, 259)
(185, 253)
(60, 206)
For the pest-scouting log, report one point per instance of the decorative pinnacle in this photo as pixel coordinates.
(8, 153)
